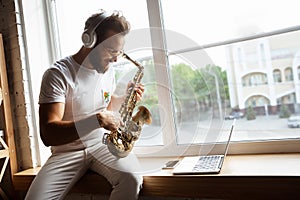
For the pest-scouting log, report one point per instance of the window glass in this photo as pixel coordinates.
(213, 21)
(73, 14)
(256, 78)
(248, 89)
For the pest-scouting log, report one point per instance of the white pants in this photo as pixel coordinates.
(63, 169)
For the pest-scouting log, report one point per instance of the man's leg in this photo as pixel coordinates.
(57, 176)
(123, 174)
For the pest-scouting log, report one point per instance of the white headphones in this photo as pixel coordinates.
(89, 37)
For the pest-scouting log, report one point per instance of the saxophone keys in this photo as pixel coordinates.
(104, 138)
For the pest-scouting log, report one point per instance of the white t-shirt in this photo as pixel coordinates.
(84, 92)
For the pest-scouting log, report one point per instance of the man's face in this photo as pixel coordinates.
(107, 51)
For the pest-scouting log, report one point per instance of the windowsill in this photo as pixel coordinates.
(265, 176)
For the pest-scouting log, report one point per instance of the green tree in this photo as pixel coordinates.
(182, 79)
(200, 84)
(284, 111)
(222, 80)
(250, 113)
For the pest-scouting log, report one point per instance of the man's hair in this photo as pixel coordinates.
(115, 22)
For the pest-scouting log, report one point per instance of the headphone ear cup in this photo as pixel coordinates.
(94, 40)
(89, 40)
(85, 37)
(89, 36)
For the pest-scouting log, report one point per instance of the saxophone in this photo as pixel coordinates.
(121, 141)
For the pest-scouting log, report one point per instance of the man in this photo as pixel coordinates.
(75, 103)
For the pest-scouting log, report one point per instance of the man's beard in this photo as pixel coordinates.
(97, 65)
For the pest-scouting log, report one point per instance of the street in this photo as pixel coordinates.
(262, 128)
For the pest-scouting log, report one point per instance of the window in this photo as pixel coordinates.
(250, 49)
(277, 76)
(212, 59)
(254, 79)
(288, 72)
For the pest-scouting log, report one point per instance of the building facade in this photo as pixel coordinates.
(265, 73)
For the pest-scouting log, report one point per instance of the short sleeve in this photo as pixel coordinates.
(53, 87)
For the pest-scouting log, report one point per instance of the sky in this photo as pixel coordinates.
(203, 21)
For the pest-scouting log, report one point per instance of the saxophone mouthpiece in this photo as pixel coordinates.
(124, 55)
(133, 61)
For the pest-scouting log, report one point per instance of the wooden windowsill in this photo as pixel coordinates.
(267, 176)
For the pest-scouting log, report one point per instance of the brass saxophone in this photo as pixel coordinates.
(121, 141)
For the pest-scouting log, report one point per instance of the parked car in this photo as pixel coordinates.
(234, 115)
(293, 122)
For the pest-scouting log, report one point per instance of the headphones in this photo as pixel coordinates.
(89, 37)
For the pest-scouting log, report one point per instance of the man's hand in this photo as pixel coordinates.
(139, 88)
(108, 120)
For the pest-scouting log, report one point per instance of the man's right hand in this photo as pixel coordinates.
(108, 120)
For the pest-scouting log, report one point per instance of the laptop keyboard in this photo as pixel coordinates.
(206, 163)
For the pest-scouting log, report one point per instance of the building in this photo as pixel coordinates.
(265, 73)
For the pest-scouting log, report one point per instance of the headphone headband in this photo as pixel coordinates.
(89, 37)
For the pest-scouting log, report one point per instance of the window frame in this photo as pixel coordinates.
(160, 56)
(171, 148)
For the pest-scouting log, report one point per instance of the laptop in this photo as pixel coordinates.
(208, 164)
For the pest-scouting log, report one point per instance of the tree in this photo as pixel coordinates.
(199, 84)
(250, 113)
(284, 111)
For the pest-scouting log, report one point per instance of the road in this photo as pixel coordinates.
(262, 128)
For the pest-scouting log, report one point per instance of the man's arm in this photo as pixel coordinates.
(115, 102)
(54, 131)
